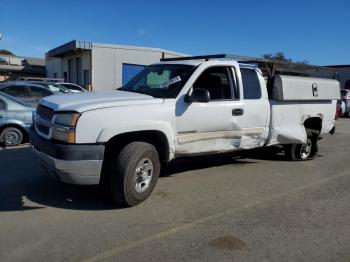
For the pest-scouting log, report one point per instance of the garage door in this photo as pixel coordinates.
(129, 71)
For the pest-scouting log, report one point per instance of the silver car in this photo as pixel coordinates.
(345, 96)
(15, 120)
(31, 92)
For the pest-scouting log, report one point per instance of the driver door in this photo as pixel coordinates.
(214, 126)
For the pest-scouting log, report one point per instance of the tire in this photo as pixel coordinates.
(303, 152)
(11, 136)
(134, 173)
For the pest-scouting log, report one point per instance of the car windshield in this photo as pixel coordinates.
(162, 81)
(72, 87)
(57, 88)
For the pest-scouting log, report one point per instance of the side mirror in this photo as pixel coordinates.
(199, 95)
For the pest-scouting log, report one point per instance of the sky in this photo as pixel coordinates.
(316, 31)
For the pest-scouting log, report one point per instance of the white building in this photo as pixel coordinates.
(100, 66)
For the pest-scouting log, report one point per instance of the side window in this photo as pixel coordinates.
(17, 91)
(251, 84)
(2, 104)
(217, 81)
(38, 92)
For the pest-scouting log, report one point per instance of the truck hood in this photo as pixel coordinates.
(81, 102)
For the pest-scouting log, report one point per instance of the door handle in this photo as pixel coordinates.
(237, 112)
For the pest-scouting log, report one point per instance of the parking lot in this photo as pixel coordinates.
(251, 207)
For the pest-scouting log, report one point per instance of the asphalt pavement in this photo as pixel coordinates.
(256, 206)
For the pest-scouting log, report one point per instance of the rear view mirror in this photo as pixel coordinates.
(198, 95)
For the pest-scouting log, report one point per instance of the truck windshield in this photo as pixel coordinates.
(162, 81)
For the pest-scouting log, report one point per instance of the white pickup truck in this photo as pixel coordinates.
(180, 107)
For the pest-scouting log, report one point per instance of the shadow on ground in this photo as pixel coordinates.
(21, 177)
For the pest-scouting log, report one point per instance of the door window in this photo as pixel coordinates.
(251, 84)
(38, 92)
(17, 91)
(2, 104)
(217, 81)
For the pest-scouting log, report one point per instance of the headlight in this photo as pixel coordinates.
(64, 134)
(65, 127)
(66, 119)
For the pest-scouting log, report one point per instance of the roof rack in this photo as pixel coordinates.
(268, 67)
(41, 79)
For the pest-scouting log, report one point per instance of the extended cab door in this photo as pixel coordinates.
(256, 109)
(214, 126)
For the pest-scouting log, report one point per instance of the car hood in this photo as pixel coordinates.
(85, 101)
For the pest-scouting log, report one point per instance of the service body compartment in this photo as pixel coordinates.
(297, 88)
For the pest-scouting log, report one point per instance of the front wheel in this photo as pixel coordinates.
(134, 173)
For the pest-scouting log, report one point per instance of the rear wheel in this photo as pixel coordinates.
(134, 173)
(11, 136)
(302, 152)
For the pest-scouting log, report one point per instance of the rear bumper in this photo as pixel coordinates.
(72, 164)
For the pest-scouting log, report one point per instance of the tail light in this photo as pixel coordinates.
(337, 111)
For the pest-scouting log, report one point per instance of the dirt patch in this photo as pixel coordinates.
(227, 243)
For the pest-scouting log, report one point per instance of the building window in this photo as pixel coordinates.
(4, 61)
(86, 79)
(129, 71)
(78, 70)
(70, 70)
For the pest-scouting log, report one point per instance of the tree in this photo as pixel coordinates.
(5, 52)
(279, 56)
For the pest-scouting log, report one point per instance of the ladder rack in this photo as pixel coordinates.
(269, 67)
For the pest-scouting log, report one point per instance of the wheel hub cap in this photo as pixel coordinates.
(306, 149)
(10, 138)
(143, 175)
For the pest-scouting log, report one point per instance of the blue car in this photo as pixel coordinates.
(15, 120)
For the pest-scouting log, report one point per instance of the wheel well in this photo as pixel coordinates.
(156, 138)
(313, 123)
(24, 132)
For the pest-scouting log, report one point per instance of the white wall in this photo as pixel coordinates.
(53, 65)
(104, 63)
(60, 65)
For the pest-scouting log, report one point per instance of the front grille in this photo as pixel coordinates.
(43, 129)
(45, 113)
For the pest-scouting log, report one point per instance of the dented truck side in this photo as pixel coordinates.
(175, 109)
